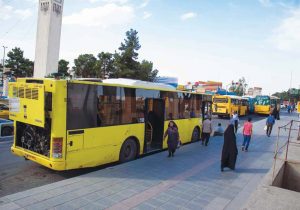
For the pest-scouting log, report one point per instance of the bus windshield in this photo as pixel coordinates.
(221, 100)
(263, 100)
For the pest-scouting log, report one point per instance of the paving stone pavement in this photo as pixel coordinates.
(190, 180)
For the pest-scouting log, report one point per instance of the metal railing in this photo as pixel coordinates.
(293, 129)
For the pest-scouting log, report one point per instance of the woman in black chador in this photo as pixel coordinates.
(173, 138)
(230, 151)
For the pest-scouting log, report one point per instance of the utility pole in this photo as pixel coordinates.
(3, 67)
(290, 90)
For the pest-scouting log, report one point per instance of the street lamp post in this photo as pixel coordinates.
(3, 67)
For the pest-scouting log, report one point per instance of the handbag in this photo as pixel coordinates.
(179, 144)
(265, 128)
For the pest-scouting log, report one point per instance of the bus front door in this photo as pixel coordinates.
(154, 124)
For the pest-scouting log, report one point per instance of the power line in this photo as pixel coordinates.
(15, 24)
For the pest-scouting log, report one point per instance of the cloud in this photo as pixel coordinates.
(144, 4)
(287, 35)
(104, 16)
(8, 12)
(188, 15)
(147, 15)
(282, 3)
(265, 3)
(112, 1)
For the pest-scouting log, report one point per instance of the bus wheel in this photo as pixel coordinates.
(128, 151)
(6, 131)
(196, 134)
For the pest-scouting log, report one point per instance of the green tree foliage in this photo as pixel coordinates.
(121, 64)
(105, 65)
(239, 87)
(63, 67)
(85, 66)
(22, 67)
(126, 62)
(288, 95)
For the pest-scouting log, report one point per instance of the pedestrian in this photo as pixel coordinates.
(293, 107)
(235, 119)
(206, 131)
(229, 151)
(173, 138)
(275, 112)
(278, 112)
(219, 131)
(247, 132)
(289, 108)
(270, 122)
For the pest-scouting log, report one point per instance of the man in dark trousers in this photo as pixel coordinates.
(270, 122)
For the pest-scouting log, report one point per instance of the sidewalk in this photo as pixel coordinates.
(190, 180)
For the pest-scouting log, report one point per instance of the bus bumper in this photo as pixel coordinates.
(54, 165)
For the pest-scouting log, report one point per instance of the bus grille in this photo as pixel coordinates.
(15, 92)
(21, 92)
(28, 93)
(35, 94)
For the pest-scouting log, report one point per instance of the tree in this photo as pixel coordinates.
(239, 87)
(126, 62)
(105, 65)
(22, 67)
(146, 71)
(85, 66)
(63, 67)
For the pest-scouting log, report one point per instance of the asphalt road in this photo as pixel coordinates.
(17, 174)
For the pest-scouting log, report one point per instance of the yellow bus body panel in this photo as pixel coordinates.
(298, 107)
(31, 103)
(40, 159)
(243, 110)
(185, 129)
(98, 146)
(262, 109)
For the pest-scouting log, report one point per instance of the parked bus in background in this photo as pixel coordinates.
(207, 105)
(251, 101)
(244, 106)
(225, 105)
(76, 124)
(265, 104)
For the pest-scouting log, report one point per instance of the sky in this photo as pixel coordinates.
(193, 40)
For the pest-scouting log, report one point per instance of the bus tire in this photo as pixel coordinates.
(6, 131)
(128, 151)
(196, 134)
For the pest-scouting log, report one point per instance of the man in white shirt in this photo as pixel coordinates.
(206, 131)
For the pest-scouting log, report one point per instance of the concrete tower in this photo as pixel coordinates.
(48, 37)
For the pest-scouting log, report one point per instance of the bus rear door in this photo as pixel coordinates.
(154, 124)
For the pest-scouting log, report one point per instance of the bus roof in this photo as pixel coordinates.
(246, 96)
(139, 83)
(228, 96)
(271, 97)
(111, 82)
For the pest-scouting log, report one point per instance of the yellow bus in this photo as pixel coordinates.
(265, 104)
(244, 106)
(298, 107)
(225, 105)
(76, 124)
